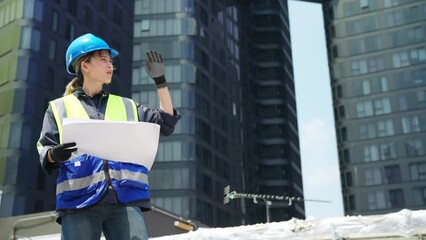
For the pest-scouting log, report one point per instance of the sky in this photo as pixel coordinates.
(318, 148)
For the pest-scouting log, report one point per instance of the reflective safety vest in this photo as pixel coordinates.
(83, 180)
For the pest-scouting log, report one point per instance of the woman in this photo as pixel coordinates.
(95, 195)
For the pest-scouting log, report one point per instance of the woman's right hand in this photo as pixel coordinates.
(62, 152)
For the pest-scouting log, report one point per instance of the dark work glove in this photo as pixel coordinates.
(154, 66)
(62, 152)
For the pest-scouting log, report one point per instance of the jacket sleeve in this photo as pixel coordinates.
(166, 121)
(49, 137)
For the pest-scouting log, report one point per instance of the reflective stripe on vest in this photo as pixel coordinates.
(98, 177)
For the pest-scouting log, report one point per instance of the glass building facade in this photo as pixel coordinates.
(229, 68)
(377, 58)
(35, 35)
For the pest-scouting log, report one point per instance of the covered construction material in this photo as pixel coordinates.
(404, 224)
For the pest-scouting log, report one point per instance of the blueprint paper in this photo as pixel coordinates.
(134, 142)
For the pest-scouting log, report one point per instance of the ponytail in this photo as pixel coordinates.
(77, 82)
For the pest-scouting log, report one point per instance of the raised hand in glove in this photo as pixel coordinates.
(154, 66)
(62, 152)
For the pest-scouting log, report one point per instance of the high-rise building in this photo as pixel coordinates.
(34, 37)
(229, 68)
(377, 58)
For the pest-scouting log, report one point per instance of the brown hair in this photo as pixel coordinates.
(77, 82)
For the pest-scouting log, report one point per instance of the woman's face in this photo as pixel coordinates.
(99, 67)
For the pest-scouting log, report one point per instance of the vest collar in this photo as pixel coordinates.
(80, 92)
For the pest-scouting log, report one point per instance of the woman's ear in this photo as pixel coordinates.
(84, 66)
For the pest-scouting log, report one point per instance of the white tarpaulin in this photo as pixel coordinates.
(134, 142)
(404, 224)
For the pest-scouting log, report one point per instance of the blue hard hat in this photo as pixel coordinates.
(85, 44)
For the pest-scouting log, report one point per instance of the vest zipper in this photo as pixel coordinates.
(108, 178)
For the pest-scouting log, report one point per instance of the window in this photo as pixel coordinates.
(414, 148)
(385, 128)
(26, 38)
(412, 14)
(418, 171)
(349, 181)
(359, 67)
(383, 84)
(382, 106)
(177, 178)
(379, 129)
(382, 151)
(342, 134)
(400, 59)
(376, 200)
(145, 25)
(52, 49)
(364, 109)
(419, 196)
(55, 19)
(349, 202)
(403, 103)
(396, 198)
(344, 156)
(355, 46)
(421, 96)
(410, 124)
(371, 153)
(349, 8)
(339, 91)
(69, 30)
(363, 3)
(15, 136)
(417, 55)
(372, 43)
(387, 151)
(366, 131)
(170, 151)
(366, 87)
(406, 58)
(373, 176)
(406, 36)
(177, 205)
(392, 174)
(342, 113)
(375, 64)
(362, 25)
(23, 63)
(390, 3)
(395, 18)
